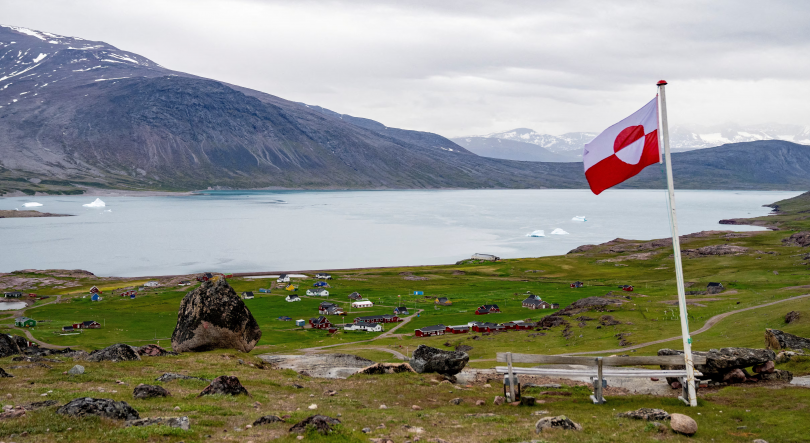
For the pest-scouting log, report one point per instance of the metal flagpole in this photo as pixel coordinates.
(676, 246)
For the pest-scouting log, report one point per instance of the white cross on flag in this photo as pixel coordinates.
(623, 150)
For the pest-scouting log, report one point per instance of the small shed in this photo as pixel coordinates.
(285, 318)
(290, 287)
(355, 296)
(67, 328)
(96, 297)
(247, 295)
(264, 290)
(418, 292)
(323, 276)
(24, 322)
(321, 284)
(402, 310)
(443, 301)
(300, 323)
(132, 296)
(95, 290)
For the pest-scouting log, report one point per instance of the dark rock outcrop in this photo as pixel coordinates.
(648, 414)
(153, 351)
(169, 376)
(214, 317)
(427, 359)
(149, 391)
(115, 353)
(715, 250)
(798, 239)
(22, 342)
(559, 422)
(267, 419)
(720, 362)
(321, 423)
(103, 407)
(4, 374)
(386, 368)
(172, 422)
(776, 339)
(224, 385)
(551, 321)
(8, 346)
(40, 405)
(792, 316)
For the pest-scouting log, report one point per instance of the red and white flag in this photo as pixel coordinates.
(623, 150)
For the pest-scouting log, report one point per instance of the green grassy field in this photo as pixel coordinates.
(766, 272)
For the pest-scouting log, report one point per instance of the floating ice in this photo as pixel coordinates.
(96, 204)
(537, 233)
(31, 204)
(558, 231)
(580, 218)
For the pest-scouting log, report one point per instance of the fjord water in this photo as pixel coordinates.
(252, 231)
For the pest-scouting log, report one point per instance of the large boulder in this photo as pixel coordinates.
(427, 359)
(153, 351)
(103, 407)
(115, 353)
(776, 339)
(268, 419)
(719, 362)
(22, 342)
(149, 391)
(320, 423)
(8, 346)
(4, 374)
(214, 317)
(792, 316)
(224, 385)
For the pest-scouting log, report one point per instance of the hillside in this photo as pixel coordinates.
(76, 113)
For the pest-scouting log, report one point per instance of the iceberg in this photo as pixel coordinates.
(579, 218)
(96, 204)
(537, 233)
(558, 231)
(31, 204)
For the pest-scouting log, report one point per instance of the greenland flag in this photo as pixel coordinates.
(623, 150)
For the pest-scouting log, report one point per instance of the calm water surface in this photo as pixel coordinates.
(250, 231)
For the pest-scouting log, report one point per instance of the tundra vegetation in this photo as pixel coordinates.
(762, 268)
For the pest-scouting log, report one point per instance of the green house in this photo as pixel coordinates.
(24, 322)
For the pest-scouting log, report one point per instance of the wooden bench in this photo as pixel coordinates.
(595, 369)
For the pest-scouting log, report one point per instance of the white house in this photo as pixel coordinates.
(323, 276)
(318, 291)
(363, 326)
(362, 304)
(151, 284)
(293, 297)
(283, 278)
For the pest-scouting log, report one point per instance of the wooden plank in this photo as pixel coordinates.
(592, 372)
(609, 361)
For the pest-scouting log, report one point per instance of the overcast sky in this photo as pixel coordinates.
(472, 67)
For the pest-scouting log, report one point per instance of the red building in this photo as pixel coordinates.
(428, 331)
(463, 329)
(320, 323)
(487, 309)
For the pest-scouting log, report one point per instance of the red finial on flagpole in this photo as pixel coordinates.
(662, 82)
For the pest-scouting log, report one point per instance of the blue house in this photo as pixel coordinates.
(418, 292)
(96, 297)
(321, 284)
(285, 318)
(131, 296)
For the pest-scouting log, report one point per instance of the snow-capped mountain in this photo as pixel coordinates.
(682, 139)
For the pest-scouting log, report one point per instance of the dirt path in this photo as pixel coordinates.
(383, 335)
(708, 325)
(40, 342)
